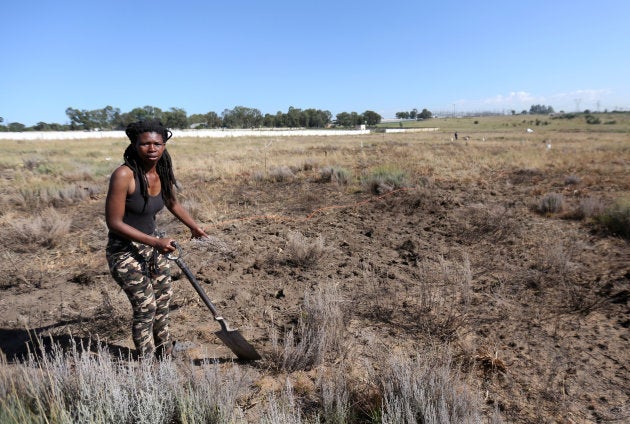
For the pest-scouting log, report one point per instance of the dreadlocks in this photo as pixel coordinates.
(164, 166)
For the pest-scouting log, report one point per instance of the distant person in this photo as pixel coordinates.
(138, 190)
(455, 135)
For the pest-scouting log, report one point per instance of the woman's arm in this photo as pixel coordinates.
(119, 185)
(178, 210)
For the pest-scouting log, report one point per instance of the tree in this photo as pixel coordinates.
(16, 127)
(294, 117)
(79, 119)
(402, 115)
(315, 118)
(242, 117)
(540, 110)
(371, 117)
(175, 118)
(213, 120)
(205, 120)
(106, 118)
(348, 120)
(413, 113)
(344, 119)
(140, 114)
(425, 114)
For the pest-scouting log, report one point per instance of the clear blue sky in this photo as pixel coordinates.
(341, 56)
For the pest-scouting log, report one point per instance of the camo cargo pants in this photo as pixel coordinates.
(145, 277)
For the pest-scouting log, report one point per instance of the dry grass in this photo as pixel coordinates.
(302, 251)
(423, 389)
(45, 229)
(78, 385)
(474, 200)
(318, 335)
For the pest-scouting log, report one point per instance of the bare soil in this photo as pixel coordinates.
(542, 322)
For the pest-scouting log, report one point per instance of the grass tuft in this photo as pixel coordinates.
(303, 252)
(551, 203)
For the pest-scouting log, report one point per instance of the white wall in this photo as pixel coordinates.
(74, 135)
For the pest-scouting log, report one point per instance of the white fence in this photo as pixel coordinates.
(408, 130)
(75, 135)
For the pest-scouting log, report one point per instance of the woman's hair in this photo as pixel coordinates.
(164, 166)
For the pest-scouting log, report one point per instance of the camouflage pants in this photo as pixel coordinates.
(146, 279)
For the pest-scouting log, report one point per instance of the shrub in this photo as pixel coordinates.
(319, 333)
(593, 120)
(78, 386)
(426, 391)
(551, 203)
(385, 179)
(44, 229)
(340, 176)
(589, 207)
(301, 251)
(40, 197)
(616, 218)
(280, 173)
(572, 180)
(309, 164)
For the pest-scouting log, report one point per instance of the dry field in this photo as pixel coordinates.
(358, 267)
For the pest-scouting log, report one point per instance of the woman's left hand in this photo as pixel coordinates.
(198, 232)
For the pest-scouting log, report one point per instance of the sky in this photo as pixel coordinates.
(342, 56)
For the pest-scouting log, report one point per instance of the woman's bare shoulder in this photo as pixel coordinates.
(122, 172)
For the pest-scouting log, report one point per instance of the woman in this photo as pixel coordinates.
(138, 190)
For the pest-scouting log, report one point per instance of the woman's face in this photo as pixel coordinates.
(150, 147)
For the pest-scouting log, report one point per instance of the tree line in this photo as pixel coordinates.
(414, 114)
(111, 118)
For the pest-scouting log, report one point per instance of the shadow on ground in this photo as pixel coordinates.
(18, 344)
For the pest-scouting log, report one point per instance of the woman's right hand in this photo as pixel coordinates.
(164, 245)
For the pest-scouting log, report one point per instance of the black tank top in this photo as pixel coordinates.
(137, 214)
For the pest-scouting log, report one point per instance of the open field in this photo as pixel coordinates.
(357, 265)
